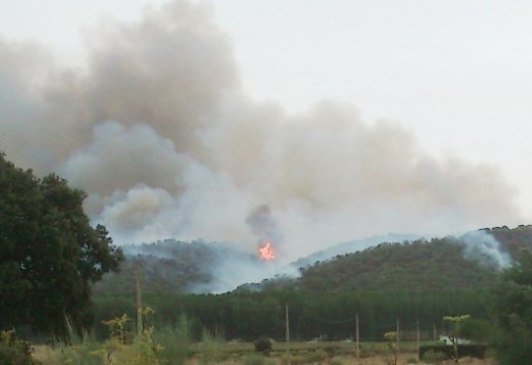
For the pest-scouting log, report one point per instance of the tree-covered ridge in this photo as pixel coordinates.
(49, 253)
(438, 264)
(165, 266)
(173, 266)
(515, 240)
(418, 266)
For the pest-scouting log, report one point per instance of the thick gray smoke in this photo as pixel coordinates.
(159, 132)
(263, 225)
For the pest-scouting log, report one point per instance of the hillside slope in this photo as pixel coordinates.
(174, 267)
(435, 265)
(468, 262)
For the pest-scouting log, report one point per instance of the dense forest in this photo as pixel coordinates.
(417, 283)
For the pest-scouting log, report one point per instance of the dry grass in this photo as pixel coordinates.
(404, 359)
(233, 352)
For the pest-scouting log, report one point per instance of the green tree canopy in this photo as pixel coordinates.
(512, 307)
(49, 253)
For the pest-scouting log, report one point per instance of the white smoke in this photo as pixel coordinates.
(158, 131)
(483, 248)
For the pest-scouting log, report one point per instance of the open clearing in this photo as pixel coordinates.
(341, 352)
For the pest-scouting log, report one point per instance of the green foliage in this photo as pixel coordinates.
(512, 308)
(120, 328)
(456, 322)
(86, 353)
(318, 356)
(476, 351)
(437, 264)
(210, 350)
(49, 253)
(419, 282)
(514, 241)
(175, 342)
(433, 357)
(263, 345)
(478, 330)
(14, 351)
(391, 340)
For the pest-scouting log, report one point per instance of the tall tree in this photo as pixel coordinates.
(512, 306)
(49, 253)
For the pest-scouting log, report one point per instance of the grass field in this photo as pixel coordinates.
(243, 353)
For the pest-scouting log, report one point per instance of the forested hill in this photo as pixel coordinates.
(435, 265)
(439, 264)
(471, 261)
(173, 267)
(418, 282)
(512, 240)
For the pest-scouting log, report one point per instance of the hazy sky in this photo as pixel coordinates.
(456, 74)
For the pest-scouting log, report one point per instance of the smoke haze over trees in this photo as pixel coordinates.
(418, 282)
(158, 130)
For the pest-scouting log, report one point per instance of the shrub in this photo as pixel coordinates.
(478, 330)
(433, 357)
(317, 356)
(88, 353)
(175, 342)
(264, 345)
(210, 351)
(293, 359)
(477, 351)
(13, 351)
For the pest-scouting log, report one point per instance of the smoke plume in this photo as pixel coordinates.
(483, 248)
(158, 130)
(263, 225)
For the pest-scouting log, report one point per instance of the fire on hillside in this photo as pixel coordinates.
(266, 251)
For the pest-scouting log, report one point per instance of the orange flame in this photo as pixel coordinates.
(266, 252)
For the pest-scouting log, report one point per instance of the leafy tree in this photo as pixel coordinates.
(512, 307)
(456, 322)
(49, 253)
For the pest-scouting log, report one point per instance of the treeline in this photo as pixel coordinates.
(438, 264)
(248, 315)
(416, 283)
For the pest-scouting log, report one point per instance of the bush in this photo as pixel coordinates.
(433, 357)
(13, 351)
(264, 345)
(175, 342)
(139, 352)
(87, 353)
(478, 330)
(210, 350)
(477, 351)
(317, 356)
